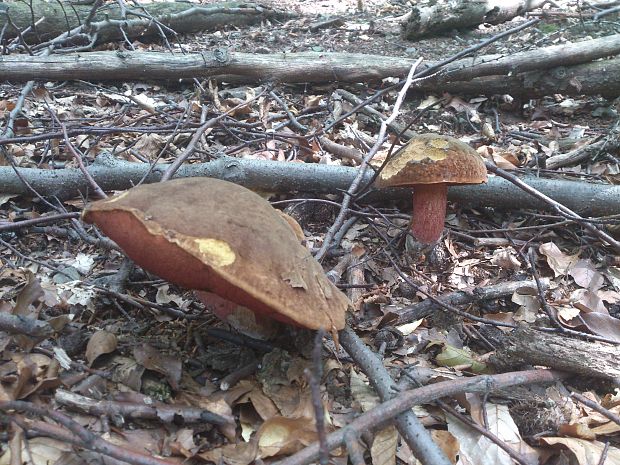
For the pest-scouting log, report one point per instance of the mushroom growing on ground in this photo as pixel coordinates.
(430, 163)
(216, 237)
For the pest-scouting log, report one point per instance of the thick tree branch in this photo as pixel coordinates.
(587, 199)
(566, 68)
(105, 26)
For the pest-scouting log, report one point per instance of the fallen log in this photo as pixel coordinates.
(149, 20)
(439, 18)
(596, 78)
(110, 173)
(526, 346)
(566, 69)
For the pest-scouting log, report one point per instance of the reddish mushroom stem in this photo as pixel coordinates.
(429, 211)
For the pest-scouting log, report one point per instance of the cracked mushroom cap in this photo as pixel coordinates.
(212, 235)
(433, 159)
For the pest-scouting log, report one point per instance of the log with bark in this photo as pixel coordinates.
(526, 346)
(439, 18)
(566, 68)
(148, 20)
(268, 176)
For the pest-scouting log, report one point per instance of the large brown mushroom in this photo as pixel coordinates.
(430, 163)
(217, 237)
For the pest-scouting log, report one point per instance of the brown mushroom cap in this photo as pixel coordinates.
(433, 159)
(213, 235)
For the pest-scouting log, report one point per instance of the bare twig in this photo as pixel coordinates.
(426, 307)
(17, 324)
(355, 184)
(136, 410)
(191, 147)
(76, 433)
(36, 221)
(561, 209)
(407, 399)
(233, 378)
(595, 406)
(314, 379)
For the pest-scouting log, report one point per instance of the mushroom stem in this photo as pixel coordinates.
(429, 211)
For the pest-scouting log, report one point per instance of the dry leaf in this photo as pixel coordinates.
(361, 392)
(383, 449)
(42, 451)
(232, 454)
(585, 452)
(587, 301)
(31, 292)
(280, 435)
(577, 430)
(102, 342)
(602, 324)
(558, 261)
(585, 275)
(169, 366)
(477, 449)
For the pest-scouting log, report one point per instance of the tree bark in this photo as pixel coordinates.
(526, 346)
(479, 294)
(62, 16)
(445, 17)
(565, 69)
(113, 174)
(597, 78)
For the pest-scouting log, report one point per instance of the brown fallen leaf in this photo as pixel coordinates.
(102, 342)
(280, 435)
(151, 359)
(584, 452)
(602, 324)
(232, 454)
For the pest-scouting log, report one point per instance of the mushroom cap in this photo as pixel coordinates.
(433, 159)
(212, 235)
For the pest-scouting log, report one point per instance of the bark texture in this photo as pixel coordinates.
(526, 346)
(566, 68)
(179, 17)
(112, 174)
(445, 17)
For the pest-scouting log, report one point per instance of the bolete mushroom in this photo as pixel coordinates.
(430, 163)
(216, 237)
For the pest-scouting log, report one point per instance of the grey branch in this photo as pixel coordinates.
(588, 199)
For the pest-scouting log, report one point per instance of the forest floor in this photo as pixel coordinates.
(146, 342)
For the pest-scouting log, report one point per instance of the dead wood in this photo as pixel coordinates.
(597, 78)
(526, 346)
(427, 307)
(565, 68)
(410, 428)
(113, 174)
(407, 399)
(462, 14)
(18, 324)
(67, 430)
(531, 60)
(148, 20)
(219, 63)
(583, 152)
(136, 410)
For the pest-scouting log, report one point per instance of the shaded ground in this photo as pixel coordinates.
(148, 340)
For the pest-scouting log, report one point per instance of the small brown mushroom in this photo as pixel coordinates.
(430, 163)
(215, 236)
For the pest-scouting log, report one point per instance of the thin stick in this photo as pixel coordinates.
(353, 188)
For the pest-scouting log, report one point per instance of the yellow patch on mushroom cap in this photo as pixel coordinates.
(215, 251)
